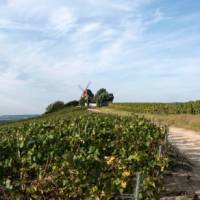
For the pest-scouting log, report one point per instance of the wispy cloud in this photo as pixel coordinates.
(128, 46)
(62, 19)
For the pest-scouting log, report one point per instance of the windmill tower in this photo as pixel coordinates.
(87, 94)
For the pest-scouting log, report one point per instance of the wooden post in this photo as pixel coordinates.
(137, 188)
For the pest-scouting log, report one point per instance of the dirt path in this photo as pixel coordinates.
(188, 143)
(183, 175)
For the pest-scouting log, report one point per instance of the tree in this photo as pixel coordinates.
(55, 106)
(82, 101)
(72, 103)
(102, 97)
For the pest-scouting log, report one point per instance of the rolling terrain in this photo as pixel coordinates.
(76, 154)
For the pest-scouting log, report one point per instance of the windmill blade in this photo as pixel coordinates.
(80, 88)
(88, 85)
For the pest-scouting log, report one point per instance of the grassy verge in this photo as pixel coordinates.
(187, 121)
(183, 120)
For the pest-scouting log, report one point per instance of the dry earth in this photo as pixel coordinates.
(182, 180)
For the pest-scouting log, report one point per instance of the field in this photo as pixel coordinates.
(75, 154)
(183, 118)
(192, 107)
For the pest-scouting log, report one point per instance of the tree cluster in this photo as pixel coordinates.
(58, 105)
(55, 106)
(102, 97)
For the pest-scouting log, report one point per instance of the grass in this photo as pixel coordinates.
(186, 121)
(107, 110)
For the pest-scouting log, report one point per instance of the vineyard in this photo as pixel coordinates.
(159, 108)
(75, 154)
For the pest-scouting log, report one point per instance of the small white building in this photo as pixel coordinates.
(92, 105)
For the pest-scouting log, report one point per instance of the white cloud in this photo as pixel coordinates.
(13, 25)
(11, 2)
(49, 47)
(62, 19)
(158, 15)
(94, 26)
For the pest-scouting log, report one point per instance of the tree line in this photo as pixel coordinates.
(101, 98)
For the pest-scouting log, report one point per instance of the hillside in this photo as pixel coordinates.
(75, 154)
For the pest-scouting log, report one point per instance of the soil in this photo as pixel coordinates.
(182, 179)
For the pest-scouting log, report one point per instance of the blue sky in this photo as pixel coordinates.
(141, 50)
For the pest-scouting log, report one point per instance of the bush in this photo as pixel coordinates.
(102, 97)
(72, 103)
(55, 106)
(101, 100)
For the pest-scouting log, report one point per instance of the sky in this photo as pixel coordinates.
(140, 50)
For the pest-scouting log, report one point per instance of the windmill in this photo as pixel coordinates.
(87, 94)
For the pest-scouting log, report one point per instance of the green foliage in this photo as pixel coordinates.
(82, 101)
(86, 98)
(72, 103)
(55, 106)
(102, 97)
(77, 154)
(159, 108)
(101, 91)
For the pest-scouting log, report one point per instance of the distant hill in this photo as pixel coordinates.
(10, 118)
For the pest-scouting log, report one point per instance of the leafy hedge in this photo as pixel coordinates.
(81, 155)
(159, 108)
(58, 105)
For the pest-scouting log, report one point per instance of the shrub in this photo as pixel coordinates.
(72, 103)
(102, 97)
(55, 106)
